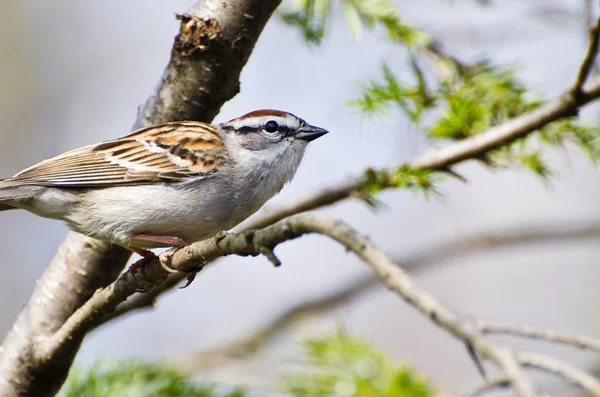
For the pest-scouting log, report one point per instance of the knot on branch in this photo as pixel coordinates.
(196, 35)
(246, 244)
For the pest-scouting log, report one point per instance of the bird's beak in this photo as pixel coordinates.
(310, 132)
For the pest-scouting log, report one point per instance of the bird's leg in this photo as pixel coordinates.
(176, 242)
(147, 256)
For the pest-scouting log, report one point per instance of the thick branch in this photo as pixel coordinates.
(193, 87)
(64, 287)
(214, 43)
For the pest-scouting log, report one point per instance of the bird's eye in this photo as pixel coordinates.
(271, 126)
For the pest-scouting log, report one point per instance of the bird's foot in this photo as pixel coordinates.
(165, 258)
(146, 257)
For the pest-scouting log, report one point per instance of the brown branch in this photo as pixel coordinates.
(214, 43)
(590, 58)
(588, 14)
(208, 44)
(445, 157)
(425, 259)
(252, 243)
(567, 104)
(437, 159)
(579, 342)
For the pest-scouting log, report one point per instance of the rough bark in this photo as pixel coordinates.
(215, 41)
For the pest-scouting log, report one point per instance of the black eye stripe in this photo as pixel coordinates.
(281, 128)
(246, 129)
(284, 129)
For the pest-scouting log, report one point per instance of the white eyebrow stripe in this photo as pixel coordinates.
(288, 121)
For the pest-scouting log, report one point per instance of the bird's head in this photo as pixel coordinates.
(268, 139)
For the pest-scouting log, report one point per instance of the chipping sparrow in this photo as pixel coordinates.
(166, 185)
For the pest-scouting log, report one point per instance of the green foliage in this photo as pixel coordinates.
(134, 379)
(377, 97)
(470, 101)
(345, 366)
(461, 105)
(311, 16)
(477, 99)
(571, 130)
(373, 13)
(339, 365)
(462, 100)
(419, 180)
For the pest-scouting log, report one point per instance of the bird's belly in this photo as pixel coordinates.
(118, 214)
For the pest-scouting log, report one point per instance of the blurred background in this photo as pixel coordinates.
(73, 73)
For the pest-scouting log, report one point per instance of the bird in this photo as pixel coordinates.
(166, 185)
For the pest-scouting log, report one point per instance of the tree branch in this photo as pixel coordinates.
(214, 43)
(253, 243)
(590, 57)
(562, 370)
(62, 289)
(526, 331)
(425, 259)
(436, 159)
(567, 104)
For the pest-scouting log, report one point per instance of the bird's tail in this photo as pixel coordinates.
(4, 196)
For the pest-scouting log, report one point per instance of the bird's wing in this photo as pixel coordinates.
(170, 152)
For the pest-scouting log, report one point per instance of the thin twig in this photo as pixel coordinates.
(589, 14)
(590, 58)
(548, 364)
(487, 387)
(579, 342)
(561, 369)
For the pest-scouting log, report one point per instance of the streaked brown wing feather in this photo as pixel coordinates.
(169, 152)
